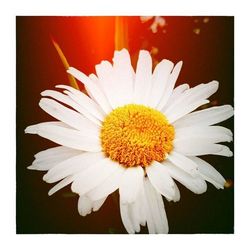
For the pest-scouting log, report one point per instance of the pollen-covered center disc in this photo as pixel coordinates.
(136, 135)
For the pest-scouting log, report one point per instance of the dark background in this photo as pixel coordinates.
(206, 46)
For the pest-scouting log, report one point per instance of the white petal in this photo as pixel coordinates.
(61, 185)
(140, 202)
(108, 186)
(203, 91)
(164, 221)
(124, 73)
(59, 97)
(143, 78)
(125, 215)
(97, 94)
(159, 81)
(182, 111)
(93, 176)
(225, 151)
(66, 115)
(199, 146)
(209, 173)
(183, 162)
(98, 203)
(93, 78)
(156, 212)
(191, 96)
(84, 110)
(177, 195)
(149, 216)
(117, 81)
(52, 152)
(67, 100)
(84, 205)
(170, 85)
(206, 117)
(109, 83)
(136, 208)
(66, 137)
(176, 94)
(97, 84)
(72, 166)
(195, 184)
(135, 215)
(212, 134)
(47, 159)
(131, 184)
(86, 102)
(161, 180)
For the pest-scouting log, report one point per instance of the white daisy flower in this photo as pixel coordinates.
(133, 132)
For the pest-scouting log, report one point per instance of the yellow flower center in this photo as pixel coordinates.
(136, 135)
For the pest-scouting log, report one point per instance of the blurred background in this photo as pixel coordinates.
(204, 44)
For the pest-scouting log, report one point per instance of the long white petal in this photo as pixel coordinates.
(72, 166)
(149, 214)
(124, 73)
(61, 185)
(84, 205)
(93, 176)
(47, 159)
(108, 186)
(199, 146)
(109, 83)
(162, 213)
(195, 184)
(141, 204)
(203, 91)
(98, 203)
(153, 206)
(183, 162)
(66, 137)
(67, 100)
(170, 86)
(115, 81)
(126, 218)
(156, 212)
(59, 97)
(52, 152)
(212, 134)
(209, 173)
(143, 78)
(131, 184)
(159, 81)
(205, 117)
(137, 213)
(182, 111)
(90, 115)
(177, 195)
(66, 115)
(176, 94)
(84, 101)
(98, 95)
(190, 96)
(161, 180)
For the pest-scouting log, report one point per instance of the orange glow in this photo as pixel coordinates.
(121, 33)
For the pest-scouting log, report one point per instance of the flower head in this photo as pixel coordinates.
(134, 132)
